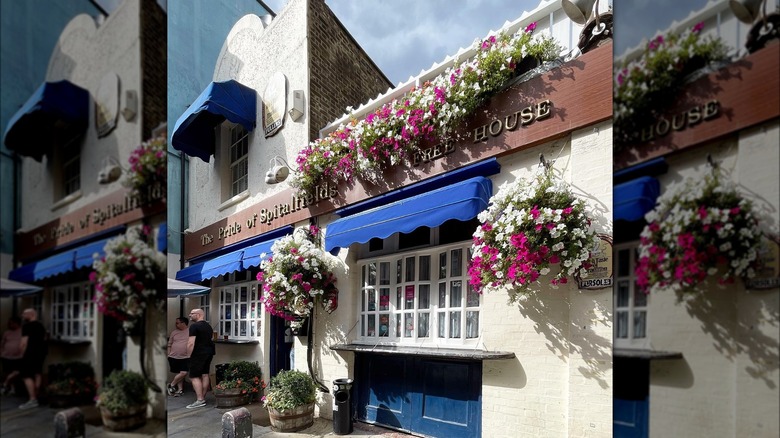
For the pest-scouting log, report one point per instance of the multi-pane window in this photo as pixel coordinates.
(420, 296)
(73, 312)
(240, 310)
(205, 304)
(630, 301)
(71, 175)
(239, 165)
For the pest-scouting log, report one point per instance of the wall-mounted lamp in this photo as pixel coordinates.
(296, 109)
(765, 30)
(279, 171)
(746, 11)
(580, 11)
(110, 171)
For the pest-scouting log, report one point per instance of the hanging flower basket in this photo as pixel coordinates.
(645, 86)
(298, 276)
(532, 228)
(148, 166)
(365, 148)
(702, 229)
(129, 278)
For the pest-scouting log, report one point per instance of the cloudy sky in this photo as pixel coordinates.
(406, 36)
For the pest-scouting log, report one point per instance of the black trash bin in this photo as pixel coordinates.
(342, 409)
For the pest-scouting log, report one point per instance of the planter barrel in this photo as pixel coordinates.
(229, 398)
(292, 420)
(68, 400)
(130, 418)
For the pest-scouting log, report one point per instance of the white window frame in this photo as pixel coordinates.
(205, 305)
(230, 289)
(627, 311)
(73, 312)
(398, 283)
(238, 164)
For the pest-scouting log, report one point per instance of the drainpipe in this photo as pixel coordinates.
(181, 223)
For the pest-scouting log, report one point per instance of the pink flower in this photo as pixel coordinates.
(530, 28)
(698, 27)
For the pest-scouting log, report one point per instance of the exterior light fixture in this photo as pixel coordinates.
(110, 171)
(578, 11)
(746, 11)
(278, 172)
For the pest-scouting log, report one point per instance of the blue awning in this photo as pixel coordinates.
(483, 168)
(254, 254)
(215, 267)
(61, 263)
(461, 201)
(635, 198)
(193, 133)
(656, 166)
(57, 110)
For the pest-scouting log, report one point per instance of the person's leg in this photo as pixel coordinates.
(206, 384)
(29, 383)
(197, 385)
(178, 380)
(10, 378)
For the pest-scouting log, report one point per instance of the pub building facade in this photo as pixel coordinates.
(453, 364)
(703, 364)
(104, 94)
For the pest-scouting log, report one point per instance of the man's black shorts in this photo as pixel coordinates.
(179, 365)
(200, 365)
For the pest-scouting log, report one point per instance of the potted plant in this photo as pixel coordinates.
(240, 383)
(148, 166)
(290, 401)
(123, 400)
(72, 384)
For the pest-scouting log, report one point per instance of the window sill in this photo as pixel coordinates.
(70, 342)
(237, 341)
(647, 354)
(66, 200)
(451, 353)
(234, 200)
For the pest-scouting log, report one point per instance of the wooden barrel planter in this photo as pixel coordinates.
(228, 398)
(293, 420)
(127, 419)
(68, 400)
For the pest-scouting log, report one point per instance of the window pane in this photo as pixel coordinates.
(363, 275)
(621, 325)
(398, 271)
(242, 328)
(384, 273)
(422, 325)
(639, 324)
(425, 296)
(472, 296)
(371, 325)
(398, 298)
(409, 269)
(363, 302)
(472, 324)
(455, 266)
(384, 298)
(409, 297)
(622, 294)
(398, 325)
(442, 319)
(442, 265)
(408, 325)
(640, 298)
(425, 268)
(372, 273)
(454, 324)
(455, 293)
(384, 325)
(371, 300)
(442, 295)
(623, 262)
(362, 325)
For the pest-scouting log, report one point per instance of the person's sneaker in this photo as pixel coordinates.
(178, 393)
(5, 390)
(171, 389)
(196, 404)
(34, 404)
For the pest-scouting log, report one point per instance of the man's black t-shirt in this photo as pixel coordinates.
(202, 331)
(36, 340)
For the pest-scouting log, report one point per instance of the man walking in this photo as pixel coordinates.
(11, 352)
(200, 348)
(33, 354)
(178, 360)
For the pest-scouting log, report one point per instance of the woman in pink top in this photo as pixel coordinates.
(11, 352)
(178, 359)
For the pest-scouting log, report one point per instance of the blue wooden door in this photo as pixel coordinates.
(436, 398)
(630, 399)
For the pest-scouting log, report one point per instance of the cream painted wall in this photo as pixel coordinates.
(726, 385)
(560, 383)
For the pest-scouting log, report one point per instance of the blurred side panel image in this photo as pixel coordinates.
(696, 209)
(84, 234)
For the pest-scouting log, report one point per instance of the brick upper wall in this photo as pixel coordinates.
(154, 48)
(341, 73)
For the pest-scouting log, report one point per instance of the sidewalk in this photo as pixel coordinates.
(203, 422)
